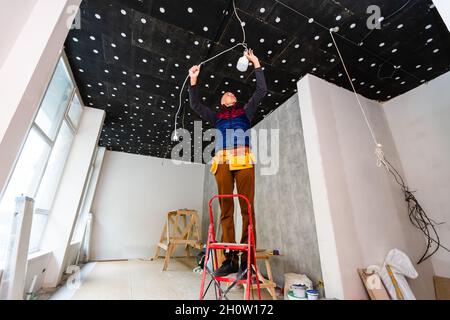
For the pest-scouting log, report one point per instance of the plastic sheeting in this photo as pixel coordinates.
(402, 268)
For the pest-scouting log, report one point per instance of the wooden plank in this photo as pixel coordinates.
(161, 240)
(442, 288)
(264, 285)
(186, 212)
(374, 293)
(398, 291)
(197, 245)
(169, 252)
(162, 246)
(180, 241)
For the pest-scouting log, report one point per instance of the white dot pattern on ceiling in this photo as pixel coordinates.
(131, 56)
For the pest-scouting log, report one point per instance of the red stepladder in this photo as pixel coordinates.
(247, 248)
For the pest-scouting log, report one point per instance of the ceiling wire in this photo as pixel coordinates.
(417, 214)
(242, 43)
(388, 17)
(180, 96)
(346, 39)
(216, 39)
(372, 133)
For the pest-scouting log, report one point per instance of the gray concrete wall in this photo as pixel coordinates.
(283, 205)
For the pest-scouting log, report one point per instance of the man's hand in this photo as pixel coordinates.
(252, 58)
(193, 73)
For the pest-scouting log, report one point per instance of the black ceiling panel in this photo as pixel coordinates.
(186, 14)
(270, 39)
(130, 57)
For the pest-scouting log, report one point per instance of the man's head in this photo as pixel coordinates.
(228, 99)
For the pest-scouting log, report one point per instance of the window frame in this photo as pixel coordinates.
(47, 140)
(72, 126)
(82, 207)
(65, 117)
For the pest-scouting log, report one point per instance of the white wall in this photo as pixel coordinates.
(61, 221)
(133, 196)
(13, 16)
(420, 124)
(72, 254)
(27, 68)
(443, 6)
(360, 212)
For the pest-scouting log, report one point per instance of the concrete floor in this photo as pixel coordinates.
(141, 280)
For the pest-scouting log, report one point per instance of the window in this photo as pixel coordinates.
(54, 104)
(75, 111)
(49, 184)
(55, 166)
(24, 180)
(41, 162)
(83, 213)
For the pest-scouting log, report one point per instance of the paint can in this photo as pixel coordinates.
(299, 290)
(291, 296)
(312, 294)
(295, 278)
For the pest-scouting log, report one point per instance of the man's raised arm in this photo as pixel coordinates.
(261, 87)
(203, 111)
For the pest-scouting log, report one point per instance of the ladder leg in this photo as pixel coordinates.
(270, 278)
(169, 252)
(256, 264)
(157, 252)
(249, 274)
(161, 240)
(205, 263)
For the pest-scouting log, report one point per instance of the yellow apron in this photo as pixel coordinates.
(235, 159)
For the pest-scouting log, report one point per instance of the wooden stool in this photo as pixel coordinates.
(268, 283)
(181, 228)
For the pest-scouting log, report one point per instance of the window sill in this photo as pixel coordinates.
(38, 254)
(75, 243)
(31, 257)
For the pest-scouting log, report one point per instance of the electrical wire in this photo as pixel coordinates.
(312, 20)
(388, 17)
(418, 216)
(354, 91)
(416, 213)
(242, 43)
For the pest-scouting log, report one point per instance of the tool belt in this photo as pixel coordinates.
(237, 158)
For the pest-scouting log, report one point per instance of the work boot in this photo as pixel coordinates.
(228, 266)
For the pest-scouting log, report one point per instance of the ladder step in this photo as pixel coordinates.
(231, 279)
(230, 246)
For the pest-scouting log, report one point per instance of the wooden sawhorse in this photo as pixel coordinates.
(268, 283)
(181, 228)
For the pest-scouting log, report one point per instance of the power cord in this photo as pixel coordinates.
(417, 214)
(242, 43)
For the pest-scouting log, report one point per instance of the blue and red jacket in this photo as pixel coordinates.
(233, 123)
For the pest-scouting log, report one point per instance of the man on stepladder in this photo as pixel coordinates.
(233, 161)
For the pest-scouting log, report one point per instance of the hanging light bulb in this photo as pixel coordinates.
(175, 136)
(242, 63)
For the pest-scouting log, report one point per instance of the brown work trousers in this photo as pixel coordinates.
(245, 184)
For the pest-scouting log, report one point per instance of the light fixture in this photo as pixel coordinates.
(242, 63)
(175, 136)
